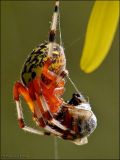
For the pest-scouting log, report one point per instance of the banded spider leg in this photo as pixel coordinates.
(19, 89)
(38, 104)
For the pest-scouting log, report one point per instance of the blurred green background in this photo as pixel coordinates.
(24, 24)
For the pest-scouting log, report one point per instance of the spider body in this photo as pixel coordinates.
(43, 80)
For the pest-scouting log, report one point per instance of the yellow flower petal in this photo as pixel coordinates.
(100, 33)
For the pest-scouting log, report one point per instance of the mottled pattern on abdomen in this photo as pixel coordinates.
(35, 61)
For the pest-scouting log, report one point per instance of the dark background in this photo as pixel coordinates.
(24, 24)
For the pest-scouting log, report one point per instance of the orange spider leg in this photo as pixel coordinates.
(50, 93)
(53, 95)
(61, 83)
(46, 72)
(18, 90)
(44, 104)
(52, 99)
(54, 90)
(59, 90)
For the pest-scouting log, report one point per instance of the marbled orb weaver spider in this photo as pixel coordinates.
(43, 80)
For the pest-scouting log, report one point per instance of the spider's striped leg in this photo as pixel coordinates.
(52, 86)
(38, 109)
(52, 96)
(56, 80)
(19, 89)
(53, 29)
(44, 107)
(64, 73)
(47, 114)
(59, 91)
(39, 119)
(60, 82)
(50, 89)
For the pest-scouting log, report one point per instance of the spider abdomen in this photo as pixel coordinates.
(36, 60)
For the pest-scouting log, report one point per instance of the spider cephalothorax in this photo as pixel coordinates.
(43, 81)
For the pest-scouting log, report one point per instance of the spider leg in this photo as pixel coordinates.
(56, 80)
(48, 92)
(44, 107)
(49, 86)
(45, 71)
(59, 91)
(22, 123)
(42, 91)
(63, 74)
(49, 116)
(39, 119)
(53, 29)
(20, 89)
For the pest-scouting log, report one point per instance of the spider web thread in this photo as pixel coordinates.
(61, 43)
